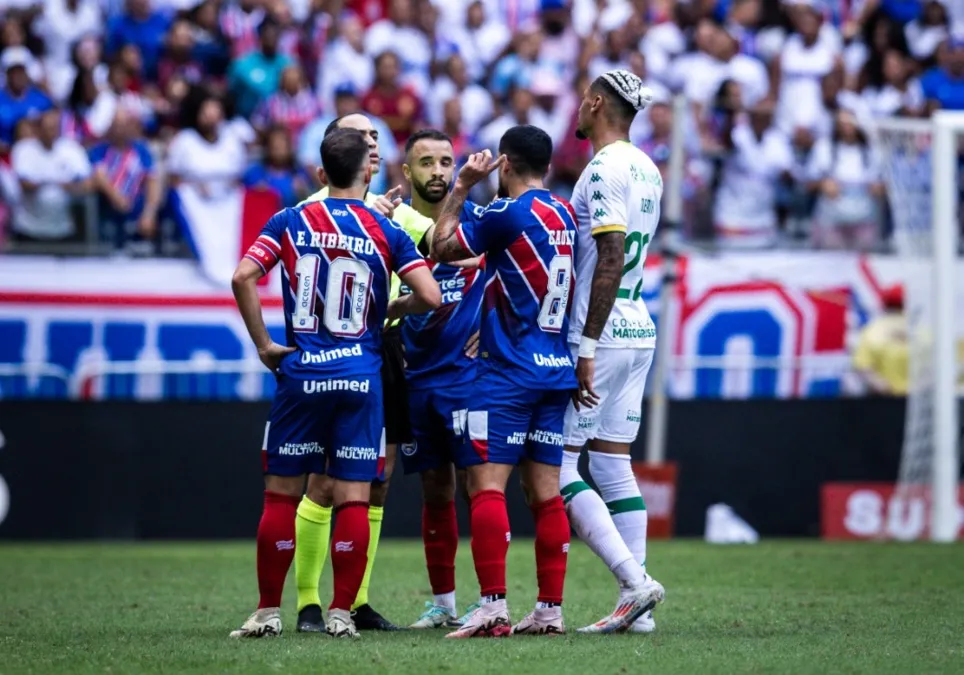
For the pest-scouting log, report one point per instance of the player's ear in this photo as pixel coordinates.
(368, 173)
(407, 172)
(322, 178)
(596, 103)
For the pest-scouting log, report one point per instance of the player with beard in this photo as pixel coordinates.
(439, 373)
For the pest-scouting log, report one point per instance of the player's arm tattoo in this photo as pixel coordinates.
(446, 246)
(605, 281)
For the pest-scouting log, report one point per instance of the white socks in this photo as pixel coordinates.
(591, 521)
(613, 475)
(446, 600)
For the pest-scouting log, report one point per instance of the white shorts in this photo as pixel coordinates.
(620, 380)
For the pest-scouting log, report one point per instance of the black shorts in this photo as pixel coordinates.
(397, 426)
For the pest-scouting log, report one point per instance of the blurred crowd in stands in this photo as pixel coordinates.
(108, 105)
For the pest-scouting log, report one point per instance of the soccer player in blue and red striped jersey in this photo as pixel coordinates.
(327, 418)
(525, 373)
(441, 349)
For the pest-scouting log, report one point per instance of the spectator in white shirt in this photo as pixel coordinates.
(207, 156)
(345, 63)
(848, 212)
(476, 102)
(809, 55)
(480, 39)
(85, 55)
(727, 63)
(613, 53)
(52, 171)
(928, 31)
(398, 33)
(744, 213)
(63, 23)
(891, 89)
(560, 44)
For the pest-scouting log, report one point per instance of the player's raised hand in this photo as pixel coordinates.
(385, 204)
(272, 354)
(478, 166)
(585, 395)
(394, 195)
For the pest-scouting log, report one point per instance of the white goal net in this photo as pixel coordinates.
(919, 159)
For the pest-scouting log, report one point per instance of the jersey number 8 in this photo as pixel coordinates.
(346, 296)
(552, 313)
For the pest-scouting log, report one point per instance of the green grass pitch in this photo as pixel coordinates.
(779, 607)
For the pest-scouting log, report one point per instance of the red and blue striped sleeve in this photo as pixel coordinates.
(493, 230)
(266, 249)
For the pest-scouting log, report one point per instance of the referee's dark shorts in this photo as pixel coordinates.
(398, 429)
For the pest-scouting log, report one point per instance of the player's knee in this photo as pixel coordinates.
(320, 490)
(379, 492)
(540, 483)
(351, 491)
(284, 485)
(390, 455)
(438, 486)
(485, 477)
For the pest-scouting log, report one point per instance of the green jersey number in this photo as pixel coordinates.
(636, 243)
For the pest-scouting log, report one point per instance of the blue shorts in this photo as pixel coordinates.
(508, 424)
(438, 427)
(334, 427)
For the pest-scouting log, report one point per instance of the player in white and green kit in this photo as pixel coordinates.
(613, 339)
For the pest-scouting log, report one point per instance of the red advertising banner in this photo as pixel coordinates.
(657, 483)
(874, 511)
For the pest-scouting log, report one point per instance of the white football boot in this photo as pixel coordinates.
(264, 622)
(435, 616)
(489, 620)
(632, 605)
(644, 624)
(340, 625)
(542, 621)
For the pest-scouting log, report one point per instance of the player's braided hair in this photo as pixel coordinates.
(626, 90)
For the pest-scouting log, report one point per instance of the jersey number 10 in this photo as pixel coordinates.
(346, 296)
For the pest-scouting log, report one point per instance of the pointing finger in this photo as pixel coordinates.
(497, 163)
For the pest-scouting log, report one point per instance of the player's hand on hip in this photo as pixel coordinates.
(272, 354)
(472, 346)
(385, 204)
(396, 310)
(478, 166)
(585, 395)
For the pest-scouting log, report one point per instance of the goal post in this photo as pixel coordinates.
(920, 166)
(947, 128)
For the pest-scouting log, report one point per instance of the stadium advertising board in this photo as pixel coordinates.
(742, 325)
(876, 511)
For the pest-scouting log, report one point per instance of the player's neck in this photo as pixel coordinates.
(353, 192)
(515, 189)
(607, 136)
(426, 208)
